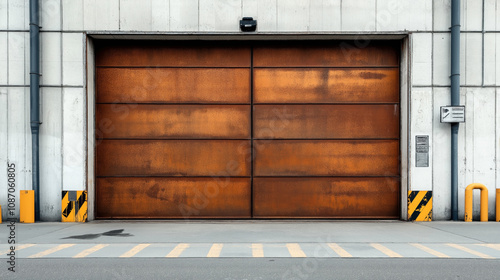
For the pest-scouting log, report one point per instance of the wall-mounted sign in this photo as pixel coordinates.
(452, 114)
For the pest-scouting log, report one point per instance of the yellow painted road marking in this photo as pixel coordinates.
(18, 247)
(257, 250)
(339, 250)
(470, 251)
(89, 251)
(429, 250)
(385, 250)
(295, 250)
(215, 250)
(492, 246)
(177, 251)
(134, 251)
(52, 250)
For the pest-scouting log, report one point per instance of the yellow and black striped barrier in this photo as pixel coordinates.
(74, 206)
(420, 206)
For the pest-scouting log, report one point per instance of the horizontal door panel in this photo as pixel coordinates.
(164, 56)
(326, 121)
(334, 54)
(326, 197)
(173, 85)
(326, 158)
(309, 85)
(173, 158)
(172, 121)
(173, 198)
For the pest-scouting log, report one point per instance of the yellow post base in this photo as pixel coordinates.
(468, 202)
(498, 205)
(0, 214)
(27, 207)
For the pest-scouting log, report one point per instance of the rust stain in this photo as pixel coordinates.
(372, 75)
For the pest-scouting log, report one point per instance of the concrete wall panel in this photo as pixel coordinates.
(3, 15)
(73, 139)
(442, 15)
(160, 15)
(421, 124)
(184, 15)
(490, 58)
(441, 195)
(136, 15)
(51, 58)
(441, 67)
(3, 58)
(72, 17)
(72, 56)
(262, 10)
(422, 59)
(219, 15)
(50, 14)
(101, 15)
(50, 154)
(4, 144)
(358, 15)
(17, 44)
(293, 15)
(324, 15)
(472, 68)
(17, 15)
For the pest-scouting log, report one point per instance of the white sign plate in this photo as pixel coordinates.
(452, 114)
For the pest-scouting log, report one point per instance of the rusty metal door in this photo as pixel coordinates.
(173, 128)
(326, 131)
(267, 131)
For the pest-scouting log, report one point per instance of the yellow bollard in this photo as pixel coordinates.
(0, 214)
(498, 205)
(468, 202)
(27, 207)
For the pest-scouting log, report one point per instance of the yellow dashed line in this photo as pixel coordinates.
(295, 250)
(385, 250)
(177, 251)
(89, 251)
(17, 248)
(134, 251)
(470, 251)
(492, 246)
(215, 250)
(429, 250)
(257, 250)
(339, 250)
(52, 250)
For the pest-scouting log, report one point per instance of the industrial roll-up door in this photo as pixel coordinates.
(263, 130)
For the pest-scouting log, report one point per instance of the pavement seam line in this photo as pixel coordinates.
(51, 250)
(470, 251)
(132, 252)
(295, 250)
(257, 250)
(427, 225)
(177, 251)
(20, 247)
(429, 250)
(215, 250)
(385, 250)
(339, 250)
(89, 251)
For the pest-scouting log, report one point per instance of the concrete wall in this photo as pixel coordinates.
(65, 23)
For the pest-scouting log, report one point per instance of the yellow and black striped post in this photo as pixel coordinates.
(420, 206)
(74, 206)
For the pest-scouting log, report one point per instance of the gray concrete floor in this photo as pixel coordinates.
(267, 238)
